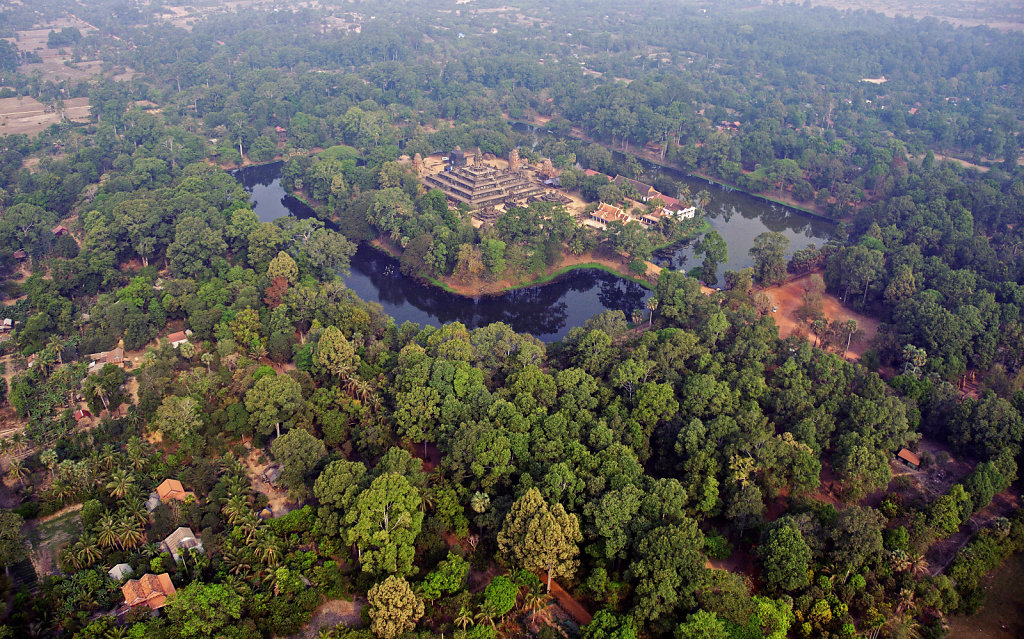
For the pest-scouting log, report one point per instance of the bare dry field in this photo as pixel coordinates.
(1004, 15)
(29, 116)
(788, 298)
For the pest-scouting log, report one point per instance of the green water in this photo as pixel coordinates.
(1003, 613)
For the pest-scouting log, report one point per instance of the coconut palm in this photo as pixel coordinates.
(238, 561)
(464, 618)
(235, 508)
(135, 507)
(136, 452)
(106, 531)
(919, 565)
(638, 316)
(62, 491)
(267, 549)
(485, 615)
(85, 552)
(535, 601)
(18, 470)
(121, 484)
(250, 525)
(129, 531)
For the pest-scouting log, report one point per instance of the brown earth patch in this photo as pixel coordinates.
(788, 298)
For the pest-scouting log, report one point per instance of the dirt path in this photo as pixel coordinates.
(567, 601)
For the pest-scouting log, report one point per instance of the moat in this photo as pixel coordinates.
(547, 311)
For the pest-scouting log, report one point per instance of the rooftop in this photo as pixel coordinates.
(151, 590)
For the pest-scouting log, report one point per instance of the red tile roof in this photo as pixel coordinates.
(908, 456)
(172, 489)
(151, 590)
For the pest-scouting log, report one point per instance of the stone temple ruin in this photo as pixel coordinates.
(483, 186)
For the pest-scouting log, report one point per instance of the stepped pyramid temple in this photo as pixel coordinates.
(482, 185)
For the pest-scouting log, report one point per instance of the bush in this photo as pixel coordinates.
(717, 547)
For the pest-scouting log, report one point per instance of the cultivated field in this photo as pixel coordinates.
(29, 116)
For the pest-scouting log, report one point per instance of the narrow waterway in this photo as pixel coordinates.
(548, 312)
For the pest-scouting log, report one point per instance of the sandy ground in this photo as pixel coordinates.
(277, 498)
(788, 298)
(330, 615)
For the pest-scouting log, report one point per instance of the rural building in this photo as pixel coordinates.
(20, 255)
(179, 338)
(6, 325)
(99, 360)
(171, 489)
(181, 540)
(645, 191)
(272, 474)
(606, 213)
(909, 458)
(151, 590)
(59, 230)
(82, 413)
(119, 572)
(482, 185)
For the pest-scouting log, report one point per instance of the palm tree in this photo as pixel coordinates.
(18, 470)
(129, 530)
(238, 561)
(235, 508)
(652, 305)
(267, 550)
(136, 508)
(136, 452)
(106, 531)
(919, 565)
(535, 601)
(62, 491)
(485, 615)
(121, 483)
(85, 551)
(464, 618)
(638, 316)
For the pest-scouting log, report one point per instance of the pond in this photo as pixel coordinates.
(739, 217)
(548, 312)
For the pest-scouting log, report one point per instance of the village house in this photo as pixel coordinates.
(6, 325)
(168, 490)
(179, 338)
(82, 413)
(644, 191)
(151, 590)
(677, 208)
(909, 459)
(59, 230)
(119, 572)
(181, 540)
(99, 360)
(172, 489)
(20, 255)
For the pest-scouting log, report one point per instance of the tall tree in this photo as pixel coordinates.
(273, 400)
(394, 607)
(769, 254)
(536, 536)
(384, 525)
